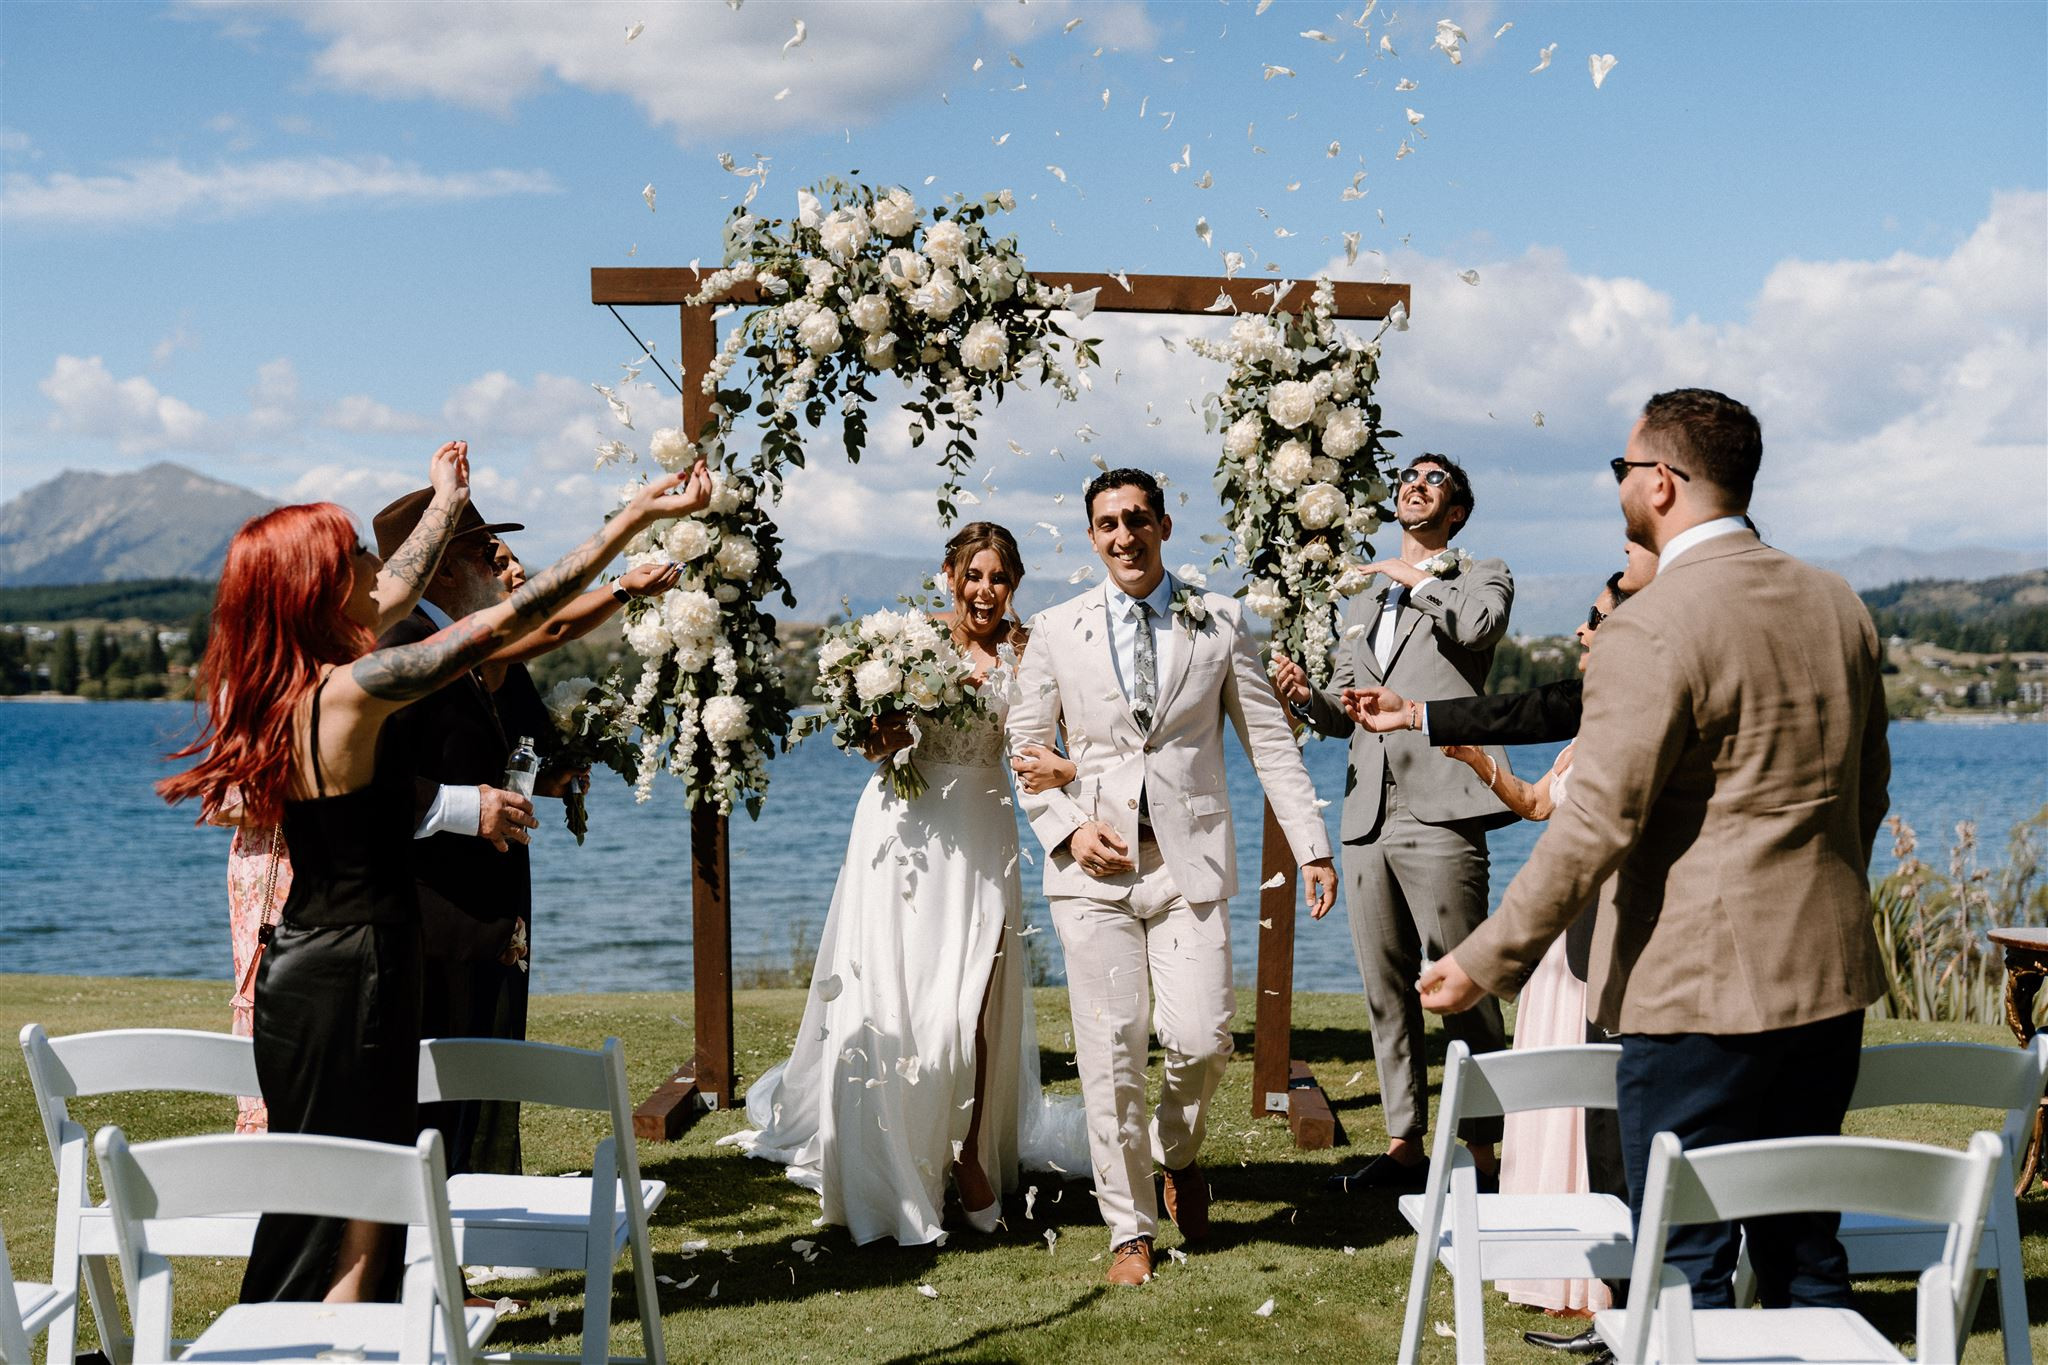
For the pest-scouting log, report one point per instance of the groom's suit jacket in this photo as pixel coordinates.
(1730, 776)
(1068, 677)
(1443, 647)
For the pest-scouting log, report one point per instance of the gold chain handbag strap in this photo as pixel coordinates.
(268, 924)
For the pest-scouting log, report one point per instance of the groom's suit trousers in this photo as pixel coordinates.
(1122, 957)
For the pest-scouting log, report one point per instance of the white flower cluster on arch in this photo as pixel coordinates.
(1305, 471)
(860, 283)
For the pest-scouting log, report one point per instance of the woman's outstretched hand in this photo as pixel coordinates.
(448, 472)
(673, 495)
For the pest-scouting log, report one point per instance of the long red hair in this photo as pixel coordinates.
(279, 614)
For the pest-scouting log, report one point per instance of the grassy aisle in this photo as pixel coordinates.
(1335, 1269)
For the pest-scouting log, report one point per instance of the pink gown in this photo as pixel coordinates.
(1544, 1150)
(249, 875)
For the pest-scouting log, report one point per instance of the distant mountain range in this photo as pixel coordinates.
(167, 521)
(161, 522)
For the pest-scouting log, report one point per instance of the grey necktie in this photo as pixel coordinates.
(1145, 674)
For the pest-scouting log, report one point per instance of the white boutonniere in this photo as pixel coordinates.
(1446, 564)
(1188, 606)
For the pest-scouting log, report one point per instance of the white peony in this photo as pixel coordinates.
(726, 719)
(669, 449)
(1256, 340)
(1323, 469)
(844, 232)
(905, 269)
(821, 274)
(1242, 440)
(737, 558)
(985, 347)
(877, 679)
(1343, 383)
(946, 243)
(820, 332)
(692, 615)
(1265, 597)
(1352, 579)
(1289, 467)
(1291, 403)
(1363, 521)
(563, 699)
(895, 213)
(1320, 505)
(648, 635)
(879, 351)
(833, 653)
(870, 313)
(686, 539)
(1344, 433)
(729, 494)
(1007, 200)
(939, 296)
(880, 627)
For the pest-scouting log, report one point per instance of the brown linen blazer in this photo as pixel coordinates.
(1731, 776)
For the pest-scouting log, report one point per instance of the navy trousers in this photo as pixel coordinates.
(1711, 1089)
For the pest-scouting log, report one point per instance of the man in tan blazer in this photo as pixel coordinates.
(1731, 775)
(1142, 674)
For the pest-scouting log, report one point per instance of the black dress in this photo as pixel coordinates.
(337, 1027)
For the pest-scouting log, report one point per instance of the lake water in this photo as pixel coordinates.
(99, 877)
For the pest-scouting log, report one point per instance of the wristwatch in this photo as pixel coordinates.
(620, 594)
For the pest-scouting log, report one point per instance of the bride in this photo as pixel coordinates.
(917, 1058)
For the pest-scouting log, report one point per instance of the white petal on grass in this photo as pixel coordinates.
(1264, 1310)
(928, 1291)
(1052, 1235)
(1444, 1329)
(1543, 59)
(796, 39)
(1599, 66)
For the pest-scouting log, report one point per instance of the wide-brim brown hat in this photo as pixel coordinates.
(398, 520)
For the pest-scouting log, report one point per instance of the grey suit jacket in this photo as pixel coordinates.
(1447, 632)
(1730, 777)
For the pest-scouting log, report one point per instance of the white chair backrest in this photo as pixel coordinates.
(285, 1173)
(136, 1059)
(1491, 1084)
(1747, 1180)
(503, 1069)
(1979, 1075)
(13, 1334)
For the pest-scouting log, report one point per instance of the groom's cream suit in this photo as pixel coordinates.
(1155, 940)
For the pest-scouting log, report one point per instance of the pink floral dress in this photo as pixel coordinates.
(255, 852)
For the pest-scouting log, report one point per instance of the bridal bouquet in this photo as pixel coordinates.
(591, 723)
(890, 666)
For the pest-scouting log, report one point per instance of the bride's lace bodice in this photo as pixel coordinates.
(978, 745)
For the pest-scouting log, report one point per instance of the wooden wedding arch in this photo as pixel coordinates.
(1280, 1085)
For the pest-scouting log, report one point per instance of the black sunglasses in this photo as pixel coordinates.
(1621, 467)
(1435, 478)
(1594, 616)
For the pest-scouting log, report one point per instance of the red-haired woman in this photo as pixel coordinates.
(296, 701)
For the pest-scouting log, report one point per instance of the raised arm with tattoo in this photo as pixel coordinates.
(404, 575)
(405, 673)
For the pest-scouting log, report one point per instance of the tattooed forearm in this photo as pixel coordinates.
(412, 563)
(409, 672)
(538, 598)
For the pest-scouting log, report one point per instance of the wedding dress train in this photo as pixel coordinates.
(874, 1103)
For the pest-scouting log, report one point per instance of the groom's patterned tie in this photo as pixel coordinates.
(1145, 676)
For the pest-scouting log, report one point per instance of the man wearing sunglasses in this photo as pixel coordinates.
(1414, 826)
(1731, 776)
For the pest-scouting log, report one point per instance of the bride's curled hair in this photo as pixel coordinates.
(977, 536)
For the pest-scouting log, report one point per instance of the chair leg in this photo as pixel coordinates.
(2012, 1290)
(1744, 1287)
(597, 1302)
(115, 1343)
(648, 1290)
(1418, 1296)
(1468, 1300)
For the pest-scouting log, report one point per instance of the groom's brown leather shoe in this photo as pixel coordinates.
(1131, 1263)
(1187, 1201)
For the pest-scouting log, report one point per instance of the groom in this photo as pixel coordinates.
(1142, 675)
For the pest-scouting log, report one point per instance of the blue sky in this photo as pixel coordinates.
(294, 246)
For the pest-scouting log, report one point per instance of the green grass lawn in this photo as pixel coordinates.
(1336, 1269)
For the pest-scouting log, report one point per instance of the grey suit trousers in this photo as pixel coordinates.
(1414, 890)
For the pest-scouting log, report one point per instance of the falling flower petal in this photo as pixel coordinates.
(1202, 230)
(1206, 181)
(1536, 419)
(635, 31)
(1082, 574)
(1501, 32)
(1351, 248)
(796, 39)
(1277, 879)
(1058, 174)
(648, 195)
(1272, 71)
(1543, 59)
(1469, 276)
(1072, 24)
(1600, 66)
(1414, 118)
(1404, 85)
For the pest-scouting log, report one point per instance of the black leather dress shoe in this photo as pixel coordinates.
(1383, 1173)
(1584, 1343)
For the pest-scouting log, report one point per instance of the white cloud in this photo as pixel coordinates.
(358, 413)
(860, 58)
(178, 339)
(154, 191)
(86, 400)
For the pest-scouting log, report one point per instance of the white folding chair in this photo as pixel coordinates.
(1800, 1175)
(1482, 1237)
(119, 1061)
(577, 1223)
(328, 1177)
(1979, 1076)
(26, 1308)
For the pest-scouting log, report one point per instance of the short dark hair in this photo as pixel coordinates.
(1710, 436)
(1614, 588)
(1125, 478)
(1461, 486)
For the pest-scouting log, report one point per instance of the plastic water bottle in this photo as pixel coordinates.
(524, 768)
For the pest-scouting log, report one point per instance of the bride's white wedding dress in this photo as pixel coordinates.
(873, 1105)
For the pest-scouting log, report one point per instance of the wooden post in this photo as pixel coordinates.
(708, 1080)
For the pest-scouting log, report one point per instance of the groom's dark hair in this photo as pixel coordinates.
(1125, 478)
(1710, 436)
